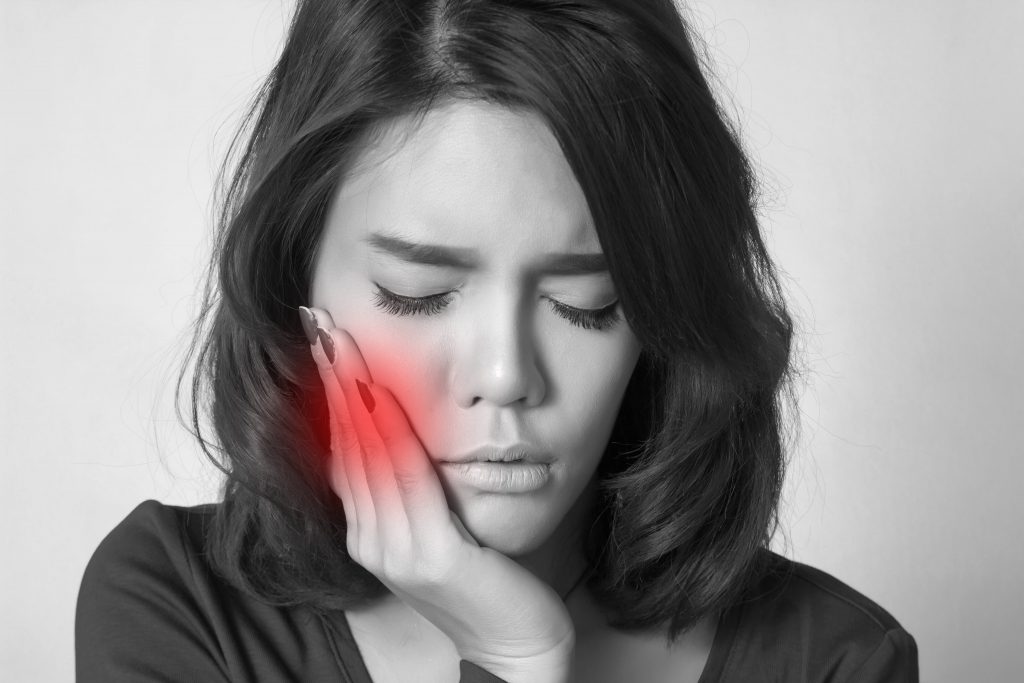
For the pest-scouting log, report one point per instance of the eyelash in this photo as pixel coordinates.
(588, 319)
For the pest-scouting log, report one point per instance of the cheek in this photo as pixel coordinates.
(403, 369)
(597, 378)
(396, 359)
(593, 382)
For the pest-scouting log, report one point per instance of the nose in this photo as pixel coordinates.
(498, 362)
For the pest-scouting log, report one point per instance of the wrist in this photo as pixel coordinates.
(552, 666)
(471, 672)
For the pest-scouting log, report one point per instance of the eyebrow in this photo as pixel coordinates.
(462, 258)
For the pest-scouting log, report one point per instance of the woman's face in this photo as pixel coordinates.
(479, 212)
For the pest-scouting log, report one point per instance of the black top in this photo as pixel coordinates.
(150, 609)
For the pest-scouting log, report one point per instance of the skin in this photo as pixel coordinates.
(497, 363)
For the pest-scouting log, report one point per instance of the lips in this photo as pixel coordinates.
(500, 477)
(510, 454)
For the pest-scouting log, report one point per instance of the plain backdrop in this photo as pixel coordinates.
(889, 136)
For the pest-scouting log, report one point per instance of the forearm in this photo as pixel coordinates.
(473, 673)
(551, 667)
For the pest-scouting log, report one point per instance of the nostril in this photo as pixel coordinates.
(497, 369)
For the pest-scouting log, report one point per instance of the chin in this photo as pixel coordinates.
(512, 525)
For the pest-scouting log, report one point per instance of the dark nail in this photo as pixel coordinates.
(364, 392)
(327, 343)
(308, 324)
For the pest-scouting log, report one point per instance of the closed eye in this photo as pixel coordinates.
(588, 318)
(585, 318)
(396, 304)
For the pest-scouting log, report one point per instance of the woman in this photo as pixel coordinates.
(463, 232)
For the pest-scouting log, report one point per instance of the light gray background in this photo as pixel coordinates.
(889, 132)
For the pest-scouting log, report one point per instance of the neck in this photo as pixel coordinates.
(559, 561)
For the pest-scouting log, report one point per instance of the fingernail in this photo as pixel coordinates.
(364, 392)
(308, 323)
(327, 343)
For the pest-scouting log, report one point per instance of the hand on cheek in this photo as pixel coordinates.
(391, 494)
(401, 529)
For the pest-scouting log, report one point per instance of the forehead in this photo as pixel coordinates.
(472, 174)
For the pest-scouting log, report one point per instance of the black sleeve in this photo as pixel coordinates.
(893, 661)
(136, 618)
(473, 673)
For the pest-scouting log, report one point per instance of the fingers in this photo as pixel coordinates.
(361, 463)
(376, 460)
(379, 467)
(337, 475)
(351, 458)
(345, 467)
(412, 476)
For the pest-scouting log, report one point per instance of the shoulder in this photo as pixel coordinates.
(153, 521)
(156, 547)
(151, 607)
(800, 623)
(154, 538)
(146, 584)
(791, 592)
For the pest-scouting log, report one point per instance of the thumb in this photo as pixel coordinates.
(462, 528)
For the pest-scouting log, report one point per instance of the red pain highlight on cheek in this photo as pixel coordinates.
(416, 420)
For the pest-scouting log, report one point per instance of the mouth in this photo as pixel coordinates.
(516, 453)
(502, 477)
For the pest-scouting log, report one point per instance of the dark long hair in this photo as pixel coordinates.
(691, 477)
